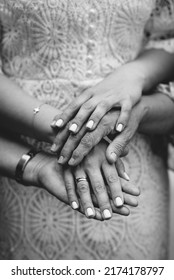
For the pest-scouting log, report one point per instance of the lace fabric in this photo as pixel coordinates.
(54, 50)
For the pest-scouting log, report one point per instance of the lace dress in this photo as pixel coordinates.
(54, 49)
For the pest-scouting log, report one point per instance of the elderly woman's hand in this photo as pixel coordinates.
(96, 181)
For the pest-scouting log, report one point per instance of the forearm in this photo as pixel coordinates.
(159, 114)
(153, 67)
(16, 112)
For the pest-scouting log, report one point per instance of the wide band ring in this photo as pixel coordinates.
(82, 179)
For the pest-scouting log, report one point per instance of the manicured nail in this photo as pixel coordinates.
(119, 127)
(118, 202)
(89, 212)
(54, 148)
(53, 124)
(107, 214)
(71, 161)
(114, 156)
(61, 159)
(74, 205)
(126, 176)
(59, 123)
(73, 127)
(90, 124)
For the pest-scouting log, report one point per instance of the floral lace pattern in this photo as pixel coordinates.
(54, 50)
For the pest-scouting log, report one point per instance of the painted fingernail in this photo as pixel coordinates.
(89, 212)
(71, 161)
(74, 205)
(126, 176)
(53, 124)
(119, 127)
(59, 123)
(107, 214)
(61, 159)
(114, 156)
(118, 202)
(73, 127)
(90, 124)
(54, 148)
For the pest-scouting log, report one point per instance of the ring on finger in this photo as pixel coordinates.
(81, 179)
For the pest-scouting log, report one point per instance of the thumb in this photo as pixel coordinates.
(116, 148)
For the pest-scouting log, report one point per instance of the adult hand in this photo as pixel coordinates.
(123, 88)
(97, 181)
(44, 172)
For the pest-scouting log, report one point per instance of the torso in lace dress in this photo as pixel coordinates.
(54, 49)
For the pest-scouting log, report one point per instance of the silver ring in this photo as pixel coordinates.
(82, 179)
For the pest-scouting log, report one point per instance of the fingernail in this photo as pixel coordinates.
(114, 156)
(59, 123)
(89, 212)
(53, 124)
(71, 161)
(54, 148)
(73, 127)
(74, 205)
(107, 214)
(61, 159)
(126, 176)
(119, 127)
(118, 202)
(90, 124)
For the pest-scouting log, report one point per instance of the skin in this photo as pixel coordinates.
(44, 172)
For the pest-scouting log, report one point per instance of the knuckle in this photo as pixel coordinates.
(99, 188)
(73, 105)
(76, 154)
(111, 178)
(104, 104)
(82, 188)
(88, 106)
(87, 141)
(68, 186)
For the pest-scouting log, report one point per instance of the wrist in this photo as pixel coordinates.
(30, 174)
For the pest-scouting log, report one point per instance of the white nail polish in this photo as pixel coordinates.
(89, 212)
(54, 148)
(59, 123)
(126, 176)
(118, 201)
(90, 124)
(74, 205)
(61, 159)
(107, 214)
(119, 127)
(73, 127)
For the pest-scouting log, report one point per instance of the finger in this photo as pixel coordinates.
(81, 117)
(121, 170)
(130, 200)
(90, 140)
(125, 152)
(84, 192)
(124, 211)
(102, 108)
(131, 189)
(116, 147)
(126, 108)
(62, 119)
(113, 183)
(100, 191)
(70, 145)
(60, 139)
(70, 188)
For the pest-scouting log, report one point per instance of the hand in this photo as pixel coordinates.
(101, 186)
(43, 171)
(123, 88)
